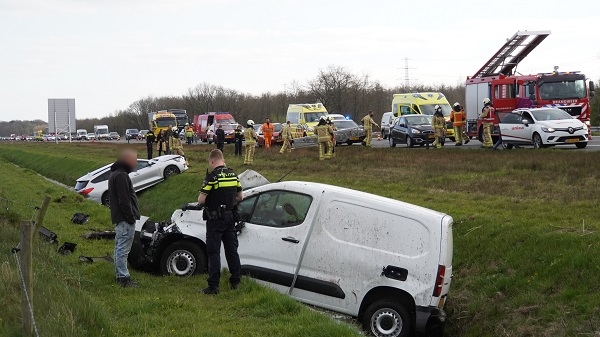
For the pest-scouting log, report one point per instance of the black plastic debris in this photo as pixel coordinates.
(92, 259)
(48, 235)
(80, 218)
(100, 235)
(67, 248)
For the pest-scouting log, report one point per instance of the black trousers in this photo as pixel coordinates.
(220, 145)
(217, 231)
(189, 140)
(238, 147)
(149, 148)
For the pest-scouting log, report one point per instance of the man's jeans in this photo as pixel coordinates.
(124, 233)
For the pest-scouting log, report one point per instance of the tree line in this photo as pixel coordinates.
(340, 90)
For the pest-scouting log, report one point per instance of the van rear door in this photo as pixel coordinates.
(444, 273)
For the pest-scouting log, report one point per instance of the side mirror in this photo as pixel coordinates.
(531, 89)
(592, 89)
(402, 125)
(525, 122)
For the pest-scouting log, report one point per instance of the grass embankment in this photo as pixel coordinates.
(524, 264)
(75, 299)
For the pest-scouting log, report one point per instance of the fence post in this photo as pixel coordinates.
(27, 270)
(41, 214)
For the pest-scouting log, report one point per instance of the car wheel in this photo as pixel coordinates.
(387, 318)
(410, 142)
(384, 135)
(171, 170)
(581, 145)
(452, 139)
(183, 258)
(509, 146)
(105, 199)
(348, 142)
(392, 141)
(537, 141)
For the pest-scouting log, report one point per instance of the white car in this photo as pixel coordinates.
(383, 261)
(336, 117)
(542, 127)
(94, 185)
(90, 136)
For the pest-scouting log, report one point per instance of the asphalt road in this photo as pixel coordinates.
(593, 145)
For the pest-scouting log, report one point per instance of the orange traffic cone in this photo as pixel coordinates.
(379, 137)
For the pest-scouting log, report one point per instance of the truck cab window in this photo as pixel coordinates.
(276, 209)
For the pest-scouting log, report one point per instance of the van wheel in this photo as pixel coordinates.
(386, 318)
(183, 258)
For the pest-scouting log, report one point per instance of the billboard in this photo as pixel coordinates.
(61, 115)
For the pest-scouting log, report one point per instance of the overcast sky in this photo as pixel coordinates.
(109, 53)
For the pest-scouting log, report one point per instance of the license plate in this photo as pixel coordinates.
(431, 136)
(572, 140)
(354, 138)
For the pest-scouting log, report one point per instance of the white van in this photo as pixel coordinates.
(386, 123)
(386, 262)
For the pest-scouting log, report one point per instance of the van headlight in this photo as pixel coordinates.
(547, 129)
(415, 131)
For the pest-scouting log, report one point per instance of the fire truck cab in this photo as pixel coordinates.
(568, 91)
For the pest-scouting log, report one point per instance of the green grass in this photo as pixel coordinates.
(74, 299)
(524, 263)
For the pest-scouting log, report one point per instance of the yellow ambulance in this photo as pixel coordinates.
(423, 103)
(304, 118)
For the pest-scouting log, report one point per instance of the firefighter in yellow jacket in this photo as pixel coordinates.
(458, 117)
(438, 122)
(286, 135)
(487, 116)
(368, 123)
(250, 137)
(176, 145)
(322, 132)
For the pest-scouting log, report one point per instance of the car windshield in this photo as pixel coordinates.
(563, 90)
(340, 125)
(228, 127)
(182, 120)
(277, 127)
(311, 117)
(114, 134)
(164, 122)
(226, 121)
(132, 131)
(429, 109)
(102, 131)
(550, 115)
(418, 120)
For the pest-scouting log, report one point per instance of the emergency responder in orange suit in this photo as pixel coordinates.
(176, 145)
(487, 116)
(250, 137)
(438, 122)
(322, 132)
(267, 131)
(458, 116)
(286, 135)
(368, 123)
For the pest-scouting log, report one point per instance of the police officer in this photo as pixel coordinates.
(220, 193)
(150, 139)
(238, 139)
(220, 136)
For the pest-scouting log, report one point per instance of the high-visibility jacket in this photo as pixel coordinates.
(458, 118)
(189, 131)
(286, 133)
(368, 122)
(268, 129)
(250, 136)
(487, 115)
(322, 132)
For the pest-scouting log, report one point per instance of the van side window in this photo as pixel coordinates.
(292, 117)
(276, 209)
(416, 109)
(405, 110)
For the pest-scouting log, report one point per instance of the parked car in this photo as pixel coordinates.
(114, 136)
(387, 120)
(94, 185)
(49, 138)
(412, 130)
(348, 132)
(542, 127)
(90, 136)
(132, 134)
(386, 262)
(229, 130)
(143, 133)
(336, 117)
(277, 127)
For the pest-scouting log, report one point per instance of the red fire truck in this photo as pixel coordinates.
(497, 80)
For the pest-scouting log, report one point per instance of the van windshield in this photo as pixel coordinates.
(226, 121)
(429, 109)
(312, 117)
(164, 122)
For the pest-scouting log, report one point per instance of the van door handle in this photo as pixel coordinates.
(290, 239)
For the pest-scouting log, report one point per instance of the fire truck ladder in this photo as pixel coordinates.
(521, 44)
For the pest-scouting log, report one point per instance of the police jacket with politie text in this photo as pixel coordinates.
(221, 187)
(123, 201)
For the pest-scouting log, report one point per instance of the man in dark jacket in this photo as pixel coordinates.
(150, 140)
(124, 212)
(220, 134)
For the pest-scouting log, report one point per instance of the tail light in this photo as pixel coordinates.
(439, 281)
(86, 191)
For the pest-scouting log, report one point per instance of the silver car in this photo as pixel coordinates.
(94, 185)
(348, 132)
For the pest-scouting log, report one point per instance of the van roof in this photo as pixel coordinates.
(422, 95)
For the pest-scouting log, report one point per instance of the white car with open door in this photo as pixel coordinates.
(386, 262)
(542, 127)
(94, 185)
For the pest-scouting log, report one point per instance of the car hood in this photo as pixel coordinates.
(422, 127)
(562, 124)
